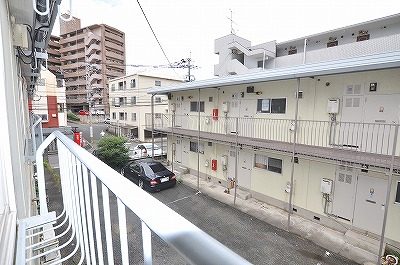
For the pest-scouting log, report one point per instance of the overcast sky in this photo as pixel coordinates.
(185, 27)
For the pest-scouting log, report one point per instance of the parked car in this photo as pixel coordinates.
(149, 175)
(107, 121)
(84, 112)
(98, 112)
(143, 150)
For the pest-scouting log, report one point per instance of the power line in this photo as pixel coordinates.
(154, 34)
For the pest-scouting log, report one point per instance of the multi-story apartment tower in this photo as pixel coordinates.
(90, 56)
(54, 56)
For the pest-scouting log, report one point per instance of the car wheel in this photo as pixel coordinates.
(141, 184)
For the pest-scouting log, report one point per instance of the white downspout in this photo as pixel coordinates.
(304, 53)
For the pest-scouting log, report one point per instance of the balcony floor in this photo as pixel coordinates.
(314, 152)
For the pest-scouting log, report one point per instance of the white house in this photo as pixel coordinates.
(310, 125)
(129, 103)
(49, 101)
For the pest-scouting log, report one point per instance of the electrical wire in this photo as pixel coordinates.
(154, 34)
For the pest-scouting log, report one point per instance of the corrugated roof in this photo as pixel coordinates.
(349, 65)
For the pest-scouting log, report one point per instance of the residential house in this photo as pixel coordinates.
(49, 101)
(309, 125)
(32, 233)
(129, 103)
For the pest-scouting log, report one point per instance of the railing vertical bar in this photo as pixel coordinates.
(84, 220)
(89, 216)
(96, 216)
(146, 241)
(123, 235)
(76, 205)
(107, 223)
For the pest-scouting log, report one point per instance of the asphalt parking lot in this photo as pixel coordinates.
(253, 239)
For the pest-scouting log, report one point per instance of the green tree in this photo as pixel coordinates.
(112, 151)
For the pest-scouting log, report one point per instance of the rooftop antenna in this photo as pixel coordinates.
(232, 22)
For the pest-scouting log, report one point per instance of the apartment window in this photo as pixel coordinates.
(196, 147)
(157, 99)
(397, 199)
(45, 117)
(121, 85)
(271, 105)
(133, 83)
(133, 100)
(157, 83)
(268, 163)
(113, 87)
(61, 107)
(41, 81)
(157, 115)
(123, 116)
(114, 116)
(194, 106)
(122, 100)
(133, 116)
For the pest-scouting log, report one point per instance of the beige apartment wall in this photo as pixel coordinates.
(313, 106)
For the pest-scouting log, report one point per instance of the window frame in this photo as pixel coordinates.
(133, 83)
(397, 195)
(263, 162)
(194, 106)
(133, 100)
(272, 105)
(195, 148)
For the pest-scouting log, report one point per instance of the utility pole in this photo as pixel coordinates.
(186, 63)
(89, 71)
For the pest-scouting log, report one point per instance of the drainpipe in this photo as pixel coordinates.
(293, 151)
(264, 60)
(304, 53)
(198, 143)
(389, 187)
(152, 125)
(172, 139)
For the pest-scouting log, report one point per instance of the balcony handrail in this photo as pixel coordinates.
(194, 245)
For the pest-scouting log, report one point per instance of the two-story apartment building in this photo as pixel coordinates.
(129, 103)
(310, 125)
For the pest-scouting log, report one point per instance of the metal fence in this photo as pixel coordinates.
(88, 185)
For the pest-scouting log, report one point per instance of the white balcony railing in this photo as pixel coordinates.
(86, 217)
(372, 138)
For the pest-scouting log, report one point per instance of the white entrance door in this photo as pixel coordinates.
(231, 162)
(344, 195)
(232, 118)
(185, 152)
(178, 150)
(349, 132)
(380, 111)
(246, 114)
(245, 164)
(182, 112)
(370, 203)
